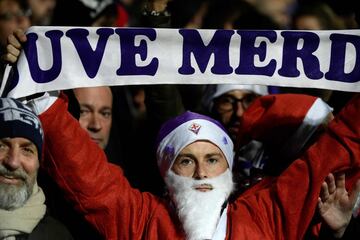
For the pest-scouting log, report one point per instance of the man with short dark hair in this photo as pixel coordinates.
(96, 112)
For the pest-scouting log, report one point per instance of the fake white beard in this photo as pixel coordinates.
(199, 212)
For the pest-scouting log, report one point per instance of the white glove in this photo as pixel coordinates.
(42, 103)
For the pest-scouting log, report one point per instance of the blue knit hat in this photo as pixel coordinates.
(17, 120)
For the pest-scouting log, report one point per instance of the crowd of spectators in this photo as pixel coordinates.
(124, 120)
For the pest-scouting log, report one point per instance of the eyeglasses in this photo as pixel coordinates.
(10, 16)
(228, 103)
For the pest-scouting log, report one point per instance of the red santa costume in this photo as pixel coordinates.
(282, 209)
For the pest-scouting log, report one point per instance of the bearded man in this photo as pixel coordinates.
(195, 158)
(22, 202)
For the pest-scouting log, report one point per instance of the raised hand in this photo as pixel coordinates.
(336, 204)
(14, 46)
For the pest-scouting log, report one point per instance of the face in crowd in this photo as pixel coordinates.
(42, 11)
(230, 107)
(200, 180)
(200, 160)
(18, 171)
(195, 159)
(96, 112)
(12, 17)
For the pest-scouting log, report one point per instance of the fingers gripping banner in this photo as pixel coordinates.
(56, 58)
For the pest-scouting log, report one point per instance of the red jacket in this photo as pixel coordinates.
(280, 210)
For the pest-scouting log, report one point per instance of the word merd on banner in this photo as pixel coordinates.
(220, 42)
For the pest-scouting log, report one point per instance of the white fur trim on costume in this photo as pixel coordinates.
(220, 232)
(317, 115)
(224, 88)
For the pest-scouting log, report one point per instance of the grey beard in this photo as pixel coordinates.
(12, 196)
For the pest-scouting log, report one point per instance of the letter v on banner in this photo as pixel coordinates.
(90, 59)
(56, 58)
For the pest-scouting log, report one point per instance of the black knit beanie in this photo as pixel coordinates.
(17, 120)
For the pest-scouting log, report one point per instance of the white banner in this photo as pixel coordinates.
(56, 58)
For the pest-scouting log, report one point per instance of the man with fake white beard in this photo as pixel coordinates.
(195, 158)
(22, 202)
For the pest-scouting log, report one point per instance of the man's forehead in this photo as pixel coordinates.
(238, 93)
(20, 140)
(99, 97)
(202, 142)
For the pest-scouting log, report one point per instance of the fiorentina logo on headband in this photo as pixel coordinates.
(195, 128)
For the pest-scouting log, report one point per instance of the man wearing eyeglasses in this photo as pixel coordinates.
(227, 103)
(12, 16)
